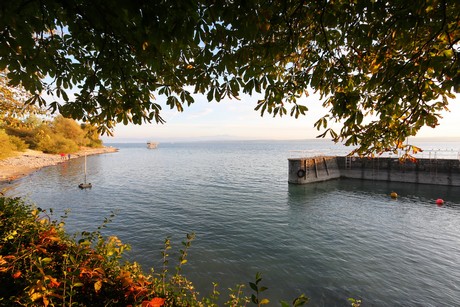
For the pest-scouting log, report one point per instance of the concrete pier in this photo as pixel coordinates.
(426, 171)
(313, 169)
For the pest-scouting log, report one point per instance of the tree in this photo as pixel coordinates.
(383, 68)
(13, 108)
(69, 129)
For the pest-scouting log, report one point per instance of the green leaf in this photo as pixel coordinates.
(284, 304)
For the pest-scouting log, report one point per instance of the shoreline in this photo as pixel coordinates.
(30, 161)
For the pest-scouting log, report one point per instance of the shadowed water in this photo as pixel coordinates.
(330, 240)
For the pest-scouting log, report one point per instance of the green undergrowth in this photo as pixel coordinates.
(41, 265)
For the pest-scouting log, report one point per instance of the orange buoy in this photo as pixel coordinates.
(439, 201)
(394, 195)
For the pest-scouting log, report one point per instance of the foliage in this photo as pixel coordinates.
(12, 102)
(61, 135)
(18, 143)
(40, 265)
(7, 147)
(10, 144)
(69, 129)
(355, 302)
(27, 126)
(384, 69)
(91, 135)
(53, 143)
(258, 290)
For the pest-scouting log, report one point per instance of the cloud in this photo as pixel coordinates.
(200, 114)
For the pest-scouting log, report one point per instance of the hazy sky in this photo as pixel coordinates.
(237, 119)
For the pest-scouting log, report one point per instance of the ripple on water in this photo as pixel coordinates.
(330, 240)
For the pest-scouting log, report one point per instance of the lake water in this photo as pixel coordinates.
(330, 240)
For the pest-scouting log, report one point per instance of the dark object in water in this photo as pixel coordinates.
(85, 185)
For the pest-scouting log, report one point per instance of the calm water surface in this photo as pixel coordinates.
(331, 240)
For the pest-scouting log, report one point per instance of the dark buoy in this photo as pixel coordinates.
(439, 201)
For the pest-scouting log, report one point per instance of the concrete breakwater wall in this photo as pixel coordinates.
(426, 171)
(313, 169)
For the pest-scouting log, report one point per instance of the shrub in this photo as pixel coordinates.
(18, 143)
(42, 266)
(24, 133)
(55, 144)
(60, 135)
(7, 147)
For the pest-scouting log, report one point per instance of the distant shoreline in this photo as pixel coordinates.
(27, 162)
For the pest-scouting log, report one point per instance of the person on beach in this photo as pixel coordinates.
(62, 156)
(68, 156)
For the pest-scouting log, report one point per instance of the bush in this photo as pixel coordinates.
(18, 143)
(55, 144)
(24, 133)
(60, 135)
(42, 266)
(7, 147)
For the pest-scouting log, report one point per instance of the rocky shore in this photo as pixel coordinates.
(31, 160)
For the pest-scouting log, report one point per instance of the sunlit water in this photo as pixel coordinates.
(331, 240)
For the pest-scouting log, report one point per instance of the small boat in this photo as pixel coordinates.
(85, 185)
(152, 145)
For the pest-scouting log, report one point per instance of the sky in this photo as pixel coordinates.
(237, 120)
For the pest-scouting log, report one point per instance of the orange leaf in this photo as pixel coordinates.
(155, 302)
(17, 274)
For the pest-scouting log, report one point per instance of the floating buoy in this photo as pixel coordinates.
(439, 201)
(394, 195)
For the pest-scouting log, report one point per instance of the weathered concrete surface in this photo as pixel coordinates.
(426, 171)
(313, 169)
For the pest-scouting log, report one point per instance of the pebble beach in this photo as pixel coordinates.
(30, 161)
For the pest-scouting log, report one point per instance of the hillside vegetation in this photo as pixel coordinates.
(60, 135)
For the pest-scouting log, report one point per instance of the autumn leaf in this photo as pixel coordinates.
(155, 302)
(98, 285)
(17, 274)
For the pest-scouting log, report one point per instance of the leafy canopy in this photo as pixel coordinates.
(383, 69)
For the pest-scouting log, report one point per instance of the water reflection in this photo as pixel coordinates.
(329, 240)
